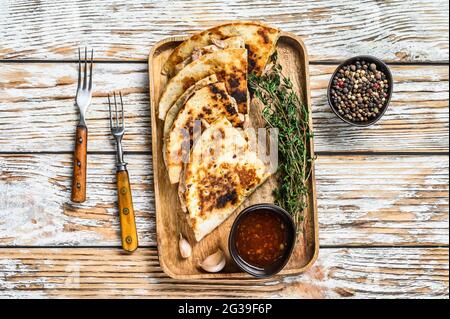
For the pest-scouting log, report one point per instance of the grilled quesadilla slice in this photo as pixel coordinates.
(222, 172)
(230, 67)
(173, 111)
(259, 39)
(203, 108)
(229, 43)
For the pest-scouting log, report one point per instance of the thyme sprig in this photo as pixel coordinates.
(283, 109)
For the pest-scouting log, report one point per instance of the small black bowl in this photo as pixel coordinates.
(380, 66)
(281, 262)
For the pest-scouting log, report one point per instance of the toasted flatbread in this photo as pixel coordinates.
(229, 43)
(206, 106)
(222, 172)
(260, 40)
(230, 66)
(173, 111)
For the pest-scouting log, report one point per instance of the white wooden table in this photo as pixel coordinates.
(382, 191)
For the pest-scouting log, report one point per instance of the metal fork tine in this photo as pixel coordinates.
(79, 69)
(85, 69)
(123, 116)
(117, 113)
(90, 69)
(110, 113)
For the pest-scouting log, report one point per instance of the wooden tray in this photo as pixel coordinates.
(170, 219)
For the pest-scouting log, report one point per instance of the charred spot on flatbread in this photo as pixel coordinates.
(247, 177)
(217, 191)
(207, 110)
(218, 92)
(240, 97)
(234, 82)
(230, 197)
(222, 132)
(251, 59)
(230, 109)
(264, 34)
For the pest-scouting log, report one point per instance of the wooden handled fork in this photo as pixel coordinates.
(83, 99)
(126, 210)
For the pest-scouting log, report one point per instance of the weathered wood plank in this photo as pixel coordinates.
(111, 273)
(37, 112)
(417, 118)
(37, 107)
(35, 206)
(362, 200)
(383, 200)
(393, 30)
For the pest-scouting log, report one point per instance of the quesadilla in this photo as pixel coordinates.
(173, 111)
(222, 172)
(260, 41)
(230, 66)
(206, 106)
(229, 43)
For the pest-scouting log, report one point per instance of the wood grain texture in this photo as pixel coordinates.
(362, 200)
(37, 109)
(392, 30)
(171, 220)
(395, 200)
(28, 218)
(111, 273)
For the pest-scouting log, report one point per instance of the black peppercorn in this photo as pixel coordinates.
(359, 91)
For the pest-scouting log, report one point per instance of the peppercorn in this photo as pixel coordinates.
(359, 91)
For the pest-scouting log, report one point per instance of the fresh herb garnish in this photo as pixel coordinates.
(283, 109)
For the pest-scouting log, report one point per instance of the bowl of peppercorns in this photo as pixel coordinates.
(360, 90)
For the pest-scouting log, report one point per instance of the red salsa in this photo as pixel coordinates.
(261, 238)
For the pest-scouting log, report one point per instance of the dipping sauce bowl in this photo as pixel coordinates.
(262, 239)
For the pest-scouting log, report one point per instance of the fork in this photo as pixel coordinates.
(83, 99)
(126, 211)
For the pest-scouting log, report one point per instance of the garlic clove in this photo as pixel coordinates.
(185, 247)
(214, 263)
